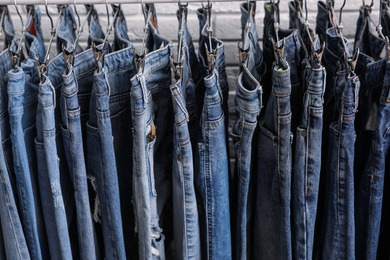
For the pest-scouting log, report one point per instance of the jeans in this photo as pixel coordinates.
(368, 206)
(150, 107)
(54, 176)
(22, 125)
(292, 48)
(22, 105)
(213, 177)
(307, 164)
(185, 211)
(248, 103)
(186, 227)
(50, 181)
(73, 144)
(339, 221)
(272, 228)
(12, 231)
(108, 139)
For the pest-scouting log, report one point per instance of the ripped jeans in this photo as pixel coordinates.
(150, 237)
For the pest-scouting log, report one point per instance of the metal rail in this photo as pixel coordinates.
(55, 2)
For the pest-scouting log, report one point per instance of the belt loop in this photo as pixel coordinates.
(141, 80)
(357, 87)
(218, 86)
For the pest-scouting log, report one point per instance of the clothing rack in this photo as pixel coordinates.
(55, 2)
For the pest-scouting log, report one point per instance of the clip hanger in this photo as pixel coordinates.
(139, 59)
(177, 66)
(69, 56)
(243, 54)
(42, 67)
(99, 53)
(16, 57)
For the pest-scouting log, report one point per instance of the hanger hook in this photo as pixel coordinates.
(108, 16)
(48, 14)
(17, 10)
(306, 11)
(341, 11)
(77, 14)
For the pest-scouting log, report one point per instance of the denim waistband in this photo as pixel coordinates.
(96, 33)
(248, 93)
(370, 43)
(34, 40)
(245, 18)
(69, 87)
(335, 44)
(281, 81)
(322, 19)
(47, 95)
(66, 34)
(212, 94)
(317, 82)
(121, 40)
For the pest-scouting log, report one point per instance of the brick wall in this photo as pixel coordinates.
(225, 23)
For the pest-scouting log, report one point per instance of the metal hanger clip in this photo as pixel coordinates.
(243, 54)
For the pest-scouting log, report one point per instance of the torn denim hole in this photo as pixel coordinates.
(96, 208)
(157, 239)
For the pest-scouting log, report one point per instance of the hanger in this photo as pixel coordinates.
(350, 61)
(99, 53)
(278, 47)
(139, 59)
(210, 52)
(43, 66)
(69, 56)
(15, 57)
(177, 66)
(244, 53)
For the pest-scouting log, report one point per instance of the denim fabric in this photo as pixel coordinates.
(191, 77)
(248, 105)
(149, 103)
(185, 216)
(272, 228)
(50, 182)
(151, 95)
(158, 81)
(24, 181)
(323, 20)
(255, 58)
(8, 29)
(213, 177)
(185, 212)
(307, 165)
(371, 48)
(96, 34)
(293, 15)
(73, 144)
(34, 37)
(220, 65)
(54, 176)
(109, 142)
(14, 240)
(368, 206)
(22, 105)
(339, 221)
(292, 48)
